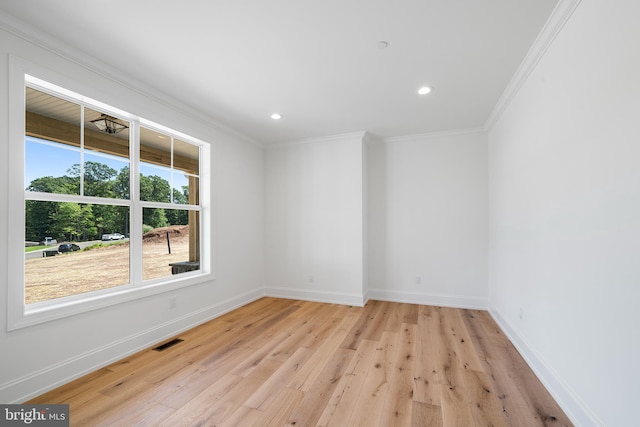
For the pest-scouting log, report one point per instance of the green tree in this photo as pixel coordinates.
(67, 221)
(60, 185)
(88, 229)
(177, 216)
(38, 219)
(154, 189)
(98, 179)
(121, 184)
(155, 217)
(38, 214)
(181, 197)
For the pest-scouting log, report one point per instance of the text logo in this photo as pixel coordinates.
(34, 415)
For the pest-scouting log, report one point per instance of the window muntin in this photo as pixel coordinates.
(95, 168)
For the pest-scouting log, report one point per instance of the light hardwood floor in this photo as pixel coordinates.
(279, 362)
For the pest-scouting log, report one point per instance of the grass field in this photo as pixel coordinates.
(35, 248)
(103, 267)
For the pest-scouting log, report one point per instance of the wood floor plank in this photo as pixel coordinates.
(367, 314)
(375, 390)
(203, 405)
(279, 410)
(246, 366)
(424, 414)
(375, 326)
(484, 403)
(316, 339)
(398, 405)
(299, 363)
(394, 317)
(279, 380)
(300, 328)
(426, 370)
(225, 407)
(308, 374)
(273, 415)
(344, 398)
(463, 345)
(318, 393)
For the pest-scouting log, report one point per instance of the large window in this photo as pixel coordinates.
(112, 203)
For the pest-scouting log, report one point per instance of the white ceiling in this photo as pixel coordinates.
(316, 62)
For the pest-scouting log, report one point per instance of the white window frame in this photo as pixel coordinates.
(23, 73)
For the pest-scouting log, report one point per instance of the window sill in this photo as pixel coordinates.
(37, 313)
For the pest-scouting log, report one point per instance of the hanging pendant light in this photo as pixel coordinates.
(109, 124)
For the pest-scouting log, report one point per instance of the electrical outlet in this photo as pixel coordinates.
(172, 302)
(521, 314)
(311, 278)
(418, 280)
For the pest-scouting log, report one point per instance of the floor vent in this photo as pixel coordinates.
(168, 344)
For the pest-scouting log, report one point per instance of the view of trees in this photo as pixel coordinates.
(80, 221)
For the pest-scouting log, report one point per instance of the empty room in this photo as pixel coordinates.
(320, 213)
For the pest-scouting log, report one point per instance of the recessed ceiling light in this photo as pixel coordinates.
(383, 44)
(424, 90)
(276, 116)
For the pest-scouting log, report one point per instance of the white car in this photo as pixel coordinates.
(112, 236)
(50, 241)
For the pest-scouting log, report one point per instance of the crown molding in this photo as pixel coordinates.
(36, 37)
(330, 138)
(559, 17)
(372, 139)
(432, 135)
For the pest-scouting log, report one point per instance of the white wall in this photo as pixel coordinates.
(35, 358)
(314, 220)
(564, 180)
(427, 229)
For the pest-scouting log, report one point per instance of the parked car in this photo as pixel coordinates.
(49, 241)
(112, 236)
(68, 247)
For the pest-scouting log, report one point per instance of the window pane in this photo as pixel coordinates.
(52, 142)
(106, 157)
(186, 161)
(105, 176)
(75, 259)
(155, 166)
(106, 134)
(154, 183)
(52, 118)
(171, 242)
(185, 189)
(49, 167)
(155, 147)
(186, 157)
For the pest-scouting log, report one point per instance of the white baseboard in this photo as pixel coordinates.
(570, 403)
(316, 296)
(456, 301)
(37, 383)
